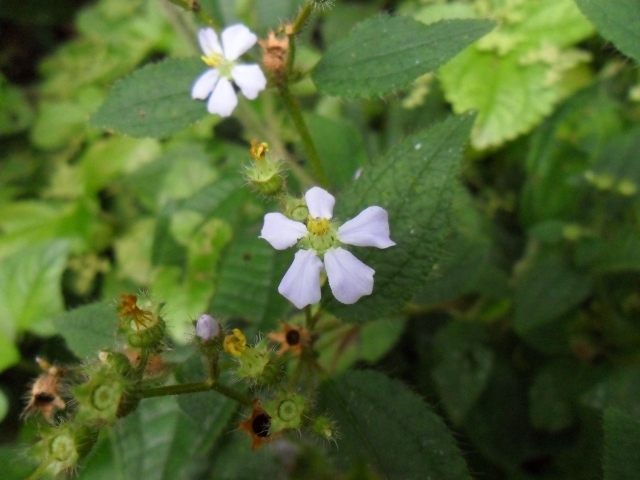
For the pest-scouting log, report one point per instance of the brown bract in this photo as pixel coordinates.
(291, 337)
(274, 54)
(45, 395)
(257, 426)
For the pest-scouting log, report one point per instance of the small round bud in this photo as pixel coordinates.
(149, 337)
(324, 428)
(207, 327)
(286, 411)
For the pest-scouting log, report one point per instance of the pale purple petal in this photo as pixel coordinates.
(282, 232)
(249, 79)
(348, 277)
(319, 202)
(205, 84)
(207, 327)
(208, 40)
(369, 229)
(223, 100)
(301, 283)
(236, 40)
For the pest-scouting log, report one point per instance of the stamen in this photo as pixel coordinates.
(319, 226)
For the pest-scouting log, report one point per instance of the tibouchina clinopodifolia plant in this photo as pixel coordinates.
(269, 327)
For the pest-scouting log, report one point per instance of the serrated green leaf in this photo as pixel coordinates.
(383, 54)
(30, 287)
(616, 20)
(547, 290)
(462, 367)
(621, 390)
(153, 101)
(414, 182)
(340, 147)
(89, 328)
(525, 69)
(156, 442)
(249, 275)
(389, 427)
(621, 445)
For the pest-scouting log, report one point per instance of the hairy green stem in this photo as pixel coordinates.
(307, 142)
(197, 387)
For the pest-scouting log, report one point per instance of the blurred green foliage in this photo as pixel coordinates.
(522, 329)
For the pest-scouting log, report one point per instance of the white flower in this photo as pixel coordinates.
(215, 83)
(349, 278)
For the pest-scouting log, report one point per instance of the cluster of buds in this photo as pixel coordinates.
(78, 402)
(265, 173)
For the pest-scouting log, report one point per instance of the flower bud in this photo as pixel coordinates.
(296, 209)
(252, 360)
(265, 173)
(286, 411)
(149, 337)
(60, 449)
(207, 328)
(119, 362)
(324, 428)
(99, 398)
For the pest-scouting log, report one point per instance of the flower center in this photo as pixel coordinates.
(319, 226)
(216, 60)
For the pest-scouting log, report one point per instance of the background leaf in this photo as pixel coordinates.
(389, 427)
(89, 329)
(617, 21)
(621, 445)
(154, 101)
(414, 182)
(386, 53)
(30, 287)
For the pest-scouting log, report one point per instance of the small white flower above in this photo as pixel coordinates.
(349, 278)
(215, 84)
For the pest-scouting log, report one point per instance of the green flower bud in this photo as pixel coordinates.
(286, 411)
(324, 428)
(296, 209)
(265, 173)
(148, 337)
(117, 361)
(99, 399)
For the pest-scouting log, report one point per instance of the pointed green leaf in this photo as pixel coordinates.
(383, 54)
(462, 367)
(547, 290)
(415, 183)
(154, 101)
(621, 445)
(386, 425)
(30, 287)
(618, 21)
(89, 328)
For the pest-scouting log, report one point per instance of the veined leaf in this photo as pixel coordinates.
(621, 445)
(415, 183)
(153, 101)
(617, 21)
(390, 428)
(386, 53)
(89, 328)
(30, 290)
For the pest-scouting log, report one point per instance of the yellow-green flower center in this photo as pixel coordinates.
(216, 60)
(319, 226)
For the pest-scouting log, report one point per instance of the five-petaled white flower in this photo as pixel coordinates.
(349, 278)
(215, 83)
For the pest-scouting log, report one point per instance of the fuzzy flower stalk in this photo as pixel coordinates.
(216, 84)
(320, 241)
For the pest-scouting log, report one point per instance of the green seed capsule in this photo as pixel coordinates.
(149, 337)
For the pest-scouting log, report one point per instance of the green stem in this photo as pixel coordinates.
(305, 136)
(196, 8)
(197, 387)
(302, 17)
(142, 363)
